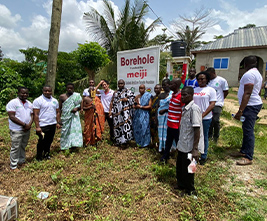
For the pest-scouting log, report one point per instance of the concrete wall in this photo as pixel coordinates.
(235, 57)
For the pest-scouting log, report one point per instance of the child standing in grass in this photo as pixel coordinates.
(190, 141)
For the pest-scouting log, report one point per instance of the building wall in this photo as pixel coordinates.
(235, 57)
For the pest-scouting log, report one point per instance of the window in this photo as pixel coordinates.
(220, 63)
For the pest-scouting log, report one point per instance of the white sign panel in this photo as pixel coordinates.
(139, 66)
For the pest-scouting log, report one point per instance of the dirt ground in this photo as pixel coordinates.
(119, 172)
(232, 106)
(249, 173)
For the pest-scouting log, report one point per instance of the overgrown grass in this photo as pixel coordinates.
(227, 115)
(108, 183)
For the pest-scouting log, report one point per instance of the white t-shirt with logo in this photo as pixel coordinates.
(202, 97)
(22, 112)
(252, 76)
(47, 107)
(220, 85)
(106, 99)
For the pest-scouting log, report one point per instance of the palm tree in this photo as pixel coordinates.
(125, 33)
(191, 37)
(191, 28)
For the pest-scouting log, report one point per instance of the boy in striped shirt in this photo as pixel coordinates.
(174, 118)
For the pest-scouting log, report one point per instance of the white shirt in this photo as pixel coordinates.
(220, 85)
(106, 99)
(191, 117)
(47, 107)
(202, 97)
(252, 76)
(22, 112)
(86, 92)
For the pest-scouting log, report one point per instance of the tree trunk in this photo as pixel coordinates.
(53, 43)
(91, 73)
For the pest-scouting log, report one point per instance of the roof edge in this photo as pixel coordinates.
(230, 49)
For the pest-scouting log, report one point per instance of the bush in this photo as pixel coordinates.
(10, 80)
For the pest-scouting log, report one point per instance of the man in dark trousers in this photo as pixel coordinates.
(46, 118)
(220, 85)
(250, 105)
(191, 140)
(174, 118)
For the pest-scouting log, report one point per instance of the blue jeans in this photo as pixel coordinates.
(250, 113)
(206, 127)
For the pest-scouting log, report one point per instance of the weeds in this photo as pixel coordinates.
(227, 115)
(106, 183)
(232, 137)
(261, 183)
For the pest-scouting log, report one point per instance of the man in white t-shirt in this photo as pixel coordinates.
(106, 96)
(250, 105)
(221, 87)
(86, 91)
(46, 117)
(20, 120)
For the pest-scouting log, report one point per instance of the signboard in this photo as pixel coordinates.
(139, 66)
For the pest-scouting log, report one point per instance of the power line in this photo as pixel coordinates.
(174, 35)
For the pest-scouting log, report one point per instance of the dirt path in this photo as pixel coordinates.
(248, 174)
(232, 106)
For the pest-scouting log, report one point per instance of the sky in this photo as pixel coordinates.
(26, 23)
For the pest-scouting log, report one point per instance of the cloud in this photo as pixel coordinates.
(11, 41)
(6, 18)
(231, 18)
(38, 33)
(73, 29)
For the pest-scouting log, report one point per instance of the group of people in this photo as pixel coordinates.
(171, 119)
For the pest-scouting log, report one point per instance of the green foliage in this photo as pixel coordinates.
(216, 37)
(192, 64)
(232, 136)
(91, 55)
(68, 70)
(126, 199)
(227, 115)
(260, 141)
(191, 27)
(56, 176)
(248, 26)
(163, 64)
(34, 55)
(32, 193)
(163, 172)
(261, 183)
(32, 75)
(10, 80)
(33, 70)
(126, 32)
(163, 40)
(191, 36)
